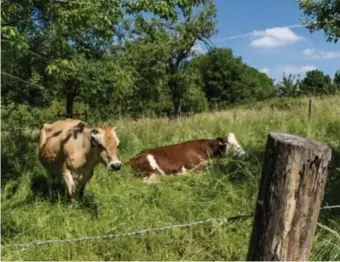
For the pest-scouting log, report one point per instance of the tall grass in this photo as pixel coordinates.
(118, 202)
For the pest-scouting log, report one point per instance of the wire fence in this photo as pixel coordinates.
(140, 232)
(134, 233)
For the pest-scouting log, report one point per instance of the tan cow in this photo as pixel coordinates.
(182, 157)
(71, 149)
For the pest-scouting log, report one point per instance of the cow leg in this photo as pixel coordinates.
(183, 171)
(54, 183)
(81, 190)
(71, 186)
(82, 186)
(151, 179)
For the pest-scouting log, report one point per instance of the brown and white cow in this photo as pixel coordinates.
(71, 149)
(180, 158)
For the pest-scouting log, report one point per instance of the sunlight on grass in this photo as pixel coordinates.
(118, 202)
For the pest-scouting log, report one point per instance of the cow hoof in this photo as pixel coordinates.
(74, 204)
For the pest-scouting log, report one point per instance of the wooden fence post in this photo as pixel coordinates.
(310, 109)
(291, 191)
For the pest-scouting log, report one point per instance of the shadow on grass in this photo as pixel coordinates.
(18, 159)
(332, 191)
(18, 155)
(56, 192)
(241, 170)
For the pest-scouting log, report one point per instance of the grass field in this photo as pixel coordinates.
(118, 202)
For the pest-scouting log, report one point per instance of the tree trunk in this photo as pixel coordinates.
(291, 191)
(71, 92)
(69, 104)
(177, 107)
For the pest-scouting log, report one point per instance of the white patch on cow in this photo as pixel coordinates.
(183, 171)
(98, 137)
(232, 141)
(114, 134)
(71, 186)
(153, 163)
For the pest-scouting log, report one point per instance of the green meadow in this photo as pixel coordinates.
(118, 202)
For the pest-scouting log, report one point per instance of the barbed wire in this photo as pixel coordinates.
(330, 207)
(140, 232)
(134, 233)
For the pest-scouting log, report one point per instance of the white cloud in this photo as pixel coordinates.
(274, 37)
(253, 33)
(319, 54)
(296, 69)
(265, 70)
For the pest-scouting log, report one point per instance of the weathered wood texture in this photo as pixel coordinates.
(291, 191)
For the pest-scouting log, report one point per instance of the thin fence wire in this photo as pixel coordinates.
(330, 207)
(135, 233)
(140, 232)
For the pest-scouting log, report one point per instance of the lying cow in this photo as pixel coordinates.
(179, 158)
(71, 149)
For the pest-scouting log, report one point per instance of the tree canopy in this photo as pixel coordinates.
(322, 15)
(128, 57)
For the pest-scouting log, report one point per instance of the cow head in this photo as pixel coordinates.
(107, 142)
(231, 145)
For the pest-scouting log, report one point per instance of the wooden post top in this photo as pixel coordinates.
(299, 141)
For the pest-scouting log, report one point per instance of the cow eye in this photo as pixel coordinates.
(94, 131)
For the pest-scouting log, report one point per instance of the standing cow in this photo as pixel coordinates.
(71, 149)
(182, 157)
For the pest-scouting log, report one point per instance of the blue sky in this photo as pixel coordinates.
(268, 35)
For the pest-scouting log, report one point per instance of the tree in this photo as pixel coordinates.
(226, 79)
(61, 35)
(322, 15)
(317, 83)
(336, 79)
(55, 42)
(171, 45)
(289, 86)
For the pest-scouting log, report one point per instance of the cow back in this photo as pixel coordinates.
(173, 158)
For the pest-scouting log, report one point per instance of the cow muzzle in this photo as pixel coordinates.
(114, 166)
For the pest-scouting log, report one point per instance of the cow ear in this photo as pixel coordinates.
(95, 135)
(221, 141)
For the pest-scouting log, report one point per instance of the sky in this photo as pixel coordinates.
(268, 35)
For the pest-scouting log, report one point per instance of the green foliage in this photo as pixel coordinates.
(289, 86)
(116, 60)
(119, 202)
(226, 79)
(55, 43)
(322, 15)
(19, 116)
(170, 44)
(336, 79)
(317, 83)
